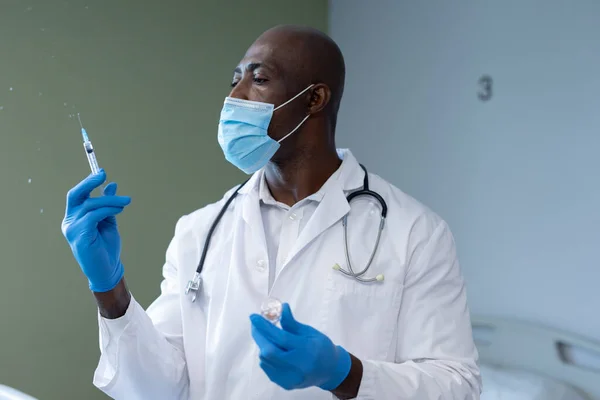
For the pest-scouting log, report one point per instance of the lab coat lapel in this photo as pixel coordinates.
(330, 210)
(333, 206)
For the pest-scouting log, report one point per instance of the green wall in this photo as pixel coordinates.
(148, 78)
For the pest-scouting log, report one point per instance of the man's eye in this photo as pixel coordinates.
(259, 80)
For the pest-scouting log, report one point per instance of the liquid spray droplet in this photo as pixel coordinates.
(29, 180)
(11, 89)
(41, 210)
(1, 108)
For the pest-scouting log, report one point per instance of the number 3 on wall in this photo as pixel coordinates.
(485, 83)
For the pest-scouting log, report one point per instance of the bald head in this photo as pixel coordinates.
(283, 62)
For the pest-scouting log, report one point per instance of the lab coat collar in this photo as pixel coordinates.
(348, 177)
(266, 197)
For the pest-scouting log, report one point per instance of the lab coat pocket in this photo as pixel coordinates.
(362, 317)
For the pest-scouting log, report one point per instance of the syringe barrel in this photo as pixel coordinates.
(91, 156)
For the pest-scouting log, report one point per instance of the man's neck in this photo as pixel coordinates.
(297, 179)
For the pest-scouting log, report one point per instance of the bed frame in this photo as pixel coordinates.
(516, 344)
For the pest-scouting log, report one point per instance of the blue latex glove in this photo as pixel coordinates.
(298, 356)
(90, 227)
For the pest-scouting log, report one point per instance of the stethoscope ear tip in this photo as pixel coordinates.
(380, 278)
(336, 267)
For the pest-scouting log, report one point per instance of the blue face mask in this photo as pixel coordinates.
(243, 132)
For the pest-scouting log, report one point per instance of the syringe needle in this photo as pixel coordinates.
(79, 118)
(83, 132)
(89, 149)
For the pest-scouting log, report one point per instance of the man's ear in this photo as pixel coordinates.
(320, 95)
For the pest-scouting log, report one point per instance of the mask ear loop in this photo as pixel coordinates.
(293, 130)
(301, 122)
(293, 98)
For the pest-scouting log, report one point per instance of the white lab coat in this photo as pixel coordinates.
(412, 332)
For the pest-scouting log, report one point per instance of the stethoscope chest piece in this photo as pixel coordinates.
(194, 286)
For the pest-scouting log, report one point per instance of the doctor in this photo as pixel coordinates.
(406, 337)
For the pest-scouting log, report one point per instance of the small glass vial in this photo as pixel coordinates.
(271, 309)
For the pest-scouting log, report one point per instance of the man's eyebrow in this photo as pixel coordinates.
(251, 67)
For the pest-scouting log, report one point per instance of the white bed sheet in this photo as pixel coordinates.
(8, 393)
(510, 384)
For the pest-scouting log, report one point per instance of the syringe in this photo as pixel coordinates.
(89, 149)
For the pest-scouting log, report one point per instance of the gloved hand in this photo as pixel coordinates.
(90, 227)
(298, 356)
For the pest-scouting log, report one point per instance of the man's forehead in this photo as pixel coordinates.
(260, 48)
(278, 50)
(259, 55)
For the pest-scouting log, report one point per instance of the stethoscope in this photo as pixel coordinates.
(195, 284)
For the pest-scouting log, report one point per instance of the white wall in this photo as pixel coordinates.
(516, 177)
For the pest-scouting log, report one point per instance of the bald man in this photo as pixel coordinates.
(299, 233)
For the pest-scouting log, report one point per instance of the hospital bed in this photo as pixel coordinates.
(523, 361)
